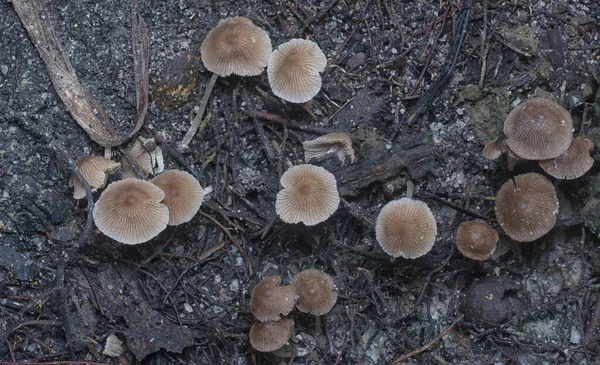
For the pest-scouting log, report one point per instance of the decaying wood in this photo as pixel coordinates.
(80, 102)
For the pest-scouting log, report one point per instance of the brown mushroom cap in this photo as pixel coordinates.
(183, 195)
(338, 143)
(538, 129)
(129, 211)
(309, 195)
(270, 299)
(140, 156)
(270, 336)
(95, 170)
(476, 240)
(316, 292)
(575, 162)
(294, 69)
(406, 228)
(493, 149)
(236, 46)
(526, 207)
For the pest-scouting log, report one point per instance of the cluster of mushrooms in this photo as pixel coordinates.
(311, 291)
(133, 211)
(237, 46)
(537, 129)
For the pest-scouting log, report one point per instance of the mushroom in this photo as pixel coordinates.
(270, 336)
(316, 292)
(270, 299)
(493, 149)
(183, 195)
(142, 159)
(526, 207)
(95, 170)
(294, 69)
(406, 228)
(129, 211)
(476, 240)
(573, 163)
(309, 195)
(338, 143)
(235, 46)
(538, 129)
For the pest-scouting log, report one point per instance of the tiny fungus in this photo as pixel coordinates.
(294, 69)
(309, 195)
(270, 299)
(129, 211)
(476, 240)
(406, 227)
(270, 336)
(183, 195)
(338, 143)
(234, 46)
(495, 148)
(573, 163)
(538, 129)
(526, 207)
(95, 170)
(316, 292)
(141, 156)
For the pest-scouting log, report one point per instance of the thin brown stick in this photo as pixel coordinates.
(429, 344)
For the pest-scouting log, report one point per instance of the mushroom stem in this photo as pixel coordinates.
(108, 152)
(410, 189)
(318, 329)
(198, 118)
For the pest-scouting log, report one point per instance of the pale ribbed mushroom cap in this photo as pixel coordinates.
(309, 195)
(129, 211)
(95, 170)
(270, 336)
(476, 240)
(270, 299)
(236, 46)
(316, 292)
(183, 195)
(574, 163)
(338, 143)
(538, 129)
(526, 207)
(294, 69)
(140, 156)
(406, 228)
(493, 149)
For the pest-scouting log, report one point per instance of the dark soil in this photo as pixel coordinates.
(184, 296)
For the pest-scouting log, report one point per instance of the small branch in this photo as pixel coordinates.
(430, 343)
(189, 135)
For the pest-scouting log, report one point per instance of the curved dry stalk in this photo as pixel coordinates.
(198, 118)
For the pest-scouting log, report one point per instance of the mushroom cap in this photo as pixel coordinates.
(236, 46)
(270, 299)
(406, 228)
(493, 149)
(129, 211)
(575, 162)
(183, 195)
(538, 129)
(309, 195)
(339, 143)
(526, 207)
(294, 69)
(316, 292)
(476, 240)
(270, 336)
(142, 158)
(95, 170)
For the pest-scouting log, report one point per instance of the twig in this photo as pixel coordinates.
(319, 15)
(456, 207)
(189, 135)
(429, 344)
(235, 243)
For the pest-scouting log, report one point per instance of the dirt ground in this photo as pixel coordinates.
(183, 297)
